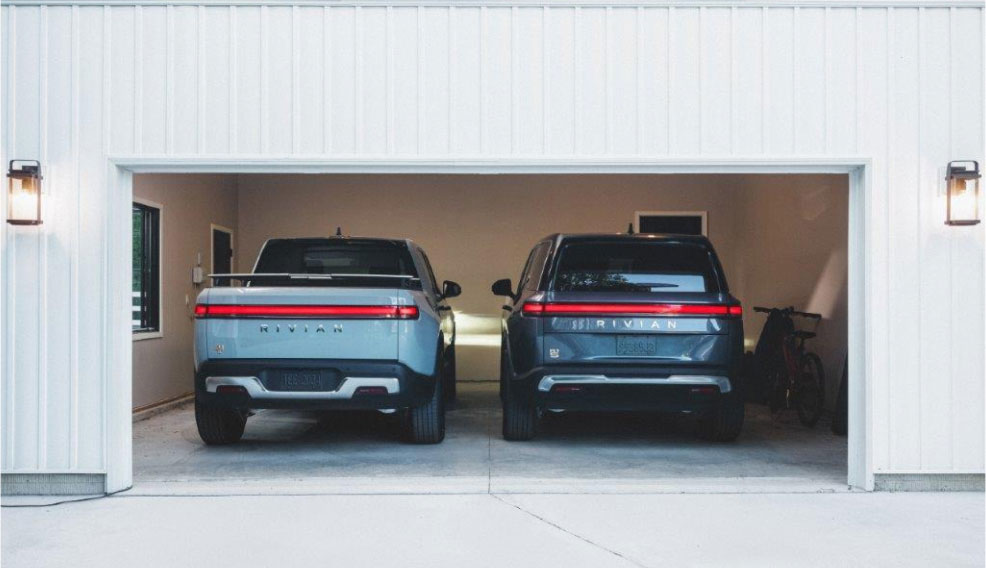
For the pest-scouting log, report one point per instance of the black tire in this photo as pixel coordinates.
(219, 426)
(450, 388)
(725, 423)
(426, 423)
(520, 419)
(753, 378)
(809, 400)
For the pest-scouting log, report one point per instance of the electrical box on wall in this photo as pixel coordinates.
(197, 275)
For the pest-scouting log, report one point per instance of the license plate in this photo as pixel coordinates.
(301, 381)
(636, 345)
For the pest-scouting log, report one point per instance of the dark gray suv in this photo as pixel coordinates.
(621, 322)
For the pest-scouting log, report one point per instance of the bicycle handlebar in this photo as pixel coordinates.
(789, 311)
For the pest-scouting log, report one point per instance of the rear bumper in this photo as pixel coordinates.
(348, 384)
(618, 388)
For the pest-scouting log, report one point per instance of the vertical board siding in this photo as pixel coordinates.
(61, 210)
(904, 285)
(872, 120)
(966, 257)
(901, 86)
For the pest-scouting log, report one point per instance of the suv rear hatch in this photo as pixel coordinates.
(635, 301)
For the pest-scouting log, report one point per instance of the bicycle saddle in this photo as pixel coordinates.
(803, 334)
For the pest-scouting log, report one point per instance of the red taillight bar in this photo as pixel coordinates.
(301, 312)
(600, 309)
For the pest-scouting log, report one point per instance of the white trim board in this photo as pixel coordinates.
(119, 459)
(293, 164)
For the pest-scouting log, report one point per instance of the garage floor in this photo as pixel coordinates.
(287, 452)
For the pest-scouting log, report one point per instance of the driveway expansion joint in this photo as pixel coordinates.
(556, 526)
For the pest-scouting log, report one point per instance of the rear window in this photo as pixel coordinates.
(635, 267)
(336, 257)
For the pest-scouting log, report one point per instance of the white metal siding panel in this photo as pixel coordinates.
(872, 73)
(899, 85)
(967, 336)
(933, 254)
(58, 240)
(92, 282)
(905, 380)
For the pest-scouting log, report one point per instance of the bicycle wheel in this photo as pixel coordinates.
(809, 399)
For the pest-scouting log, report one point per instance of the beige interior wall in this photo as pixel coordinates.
(793, 234)
(162, 367)
(476, 229)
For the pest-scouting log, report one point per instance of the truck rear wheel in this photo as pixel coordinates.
(520, 419)
(725, 423)
(218, 426)
(426, 423)
(449, 377)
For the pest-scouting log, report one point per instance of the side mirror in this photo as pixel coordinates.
(503, 287)
(451, 289)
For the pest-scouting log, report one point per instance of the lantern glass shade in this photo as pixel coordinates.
(963, 193)
(24, 193)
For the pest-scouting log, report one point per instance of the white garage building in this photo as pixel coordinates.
(884, 92)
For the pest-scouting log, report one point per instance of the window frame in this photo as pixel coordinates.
(213, 227)
(703, 214)
(157, 331)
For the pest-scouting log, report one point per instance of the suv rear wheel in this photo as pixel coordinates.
(725, 423)
(426, 423)
(520, 418)
(219, 426)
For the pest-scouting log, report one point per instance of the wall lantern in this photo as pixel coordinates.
(24, 192)
(963, 193)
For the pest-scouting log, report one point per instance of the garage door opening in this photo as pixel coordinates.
(783, 241)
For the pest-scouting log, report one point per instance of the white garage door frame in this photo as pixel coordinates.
(118, 356)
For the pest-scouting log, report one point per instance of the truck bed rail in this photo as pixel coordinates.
(249, 276)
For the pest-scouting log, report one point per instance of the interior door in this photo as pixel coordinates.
(222, 255)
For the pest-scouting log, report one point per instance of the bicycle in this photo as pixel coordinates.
(795, 377)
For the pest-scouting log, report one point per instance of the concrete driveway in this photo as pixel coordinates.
(291, 452)
(803, 529)
(594, 491)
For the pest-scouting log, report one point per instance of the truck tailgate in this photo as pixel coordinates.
(301, 323)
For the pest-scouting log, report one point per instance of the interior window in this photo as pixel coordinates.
(146, 275)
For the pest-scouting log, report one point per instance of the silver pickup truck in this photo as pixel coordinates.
(327, 323)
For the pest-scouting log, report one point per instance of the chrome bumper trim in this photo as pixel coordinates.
(346, 389)
(697, 380)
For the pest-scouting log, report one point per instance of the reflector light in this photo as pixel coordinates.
(284, 311)
(370, 391)
(585, 309)
(230, 389)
